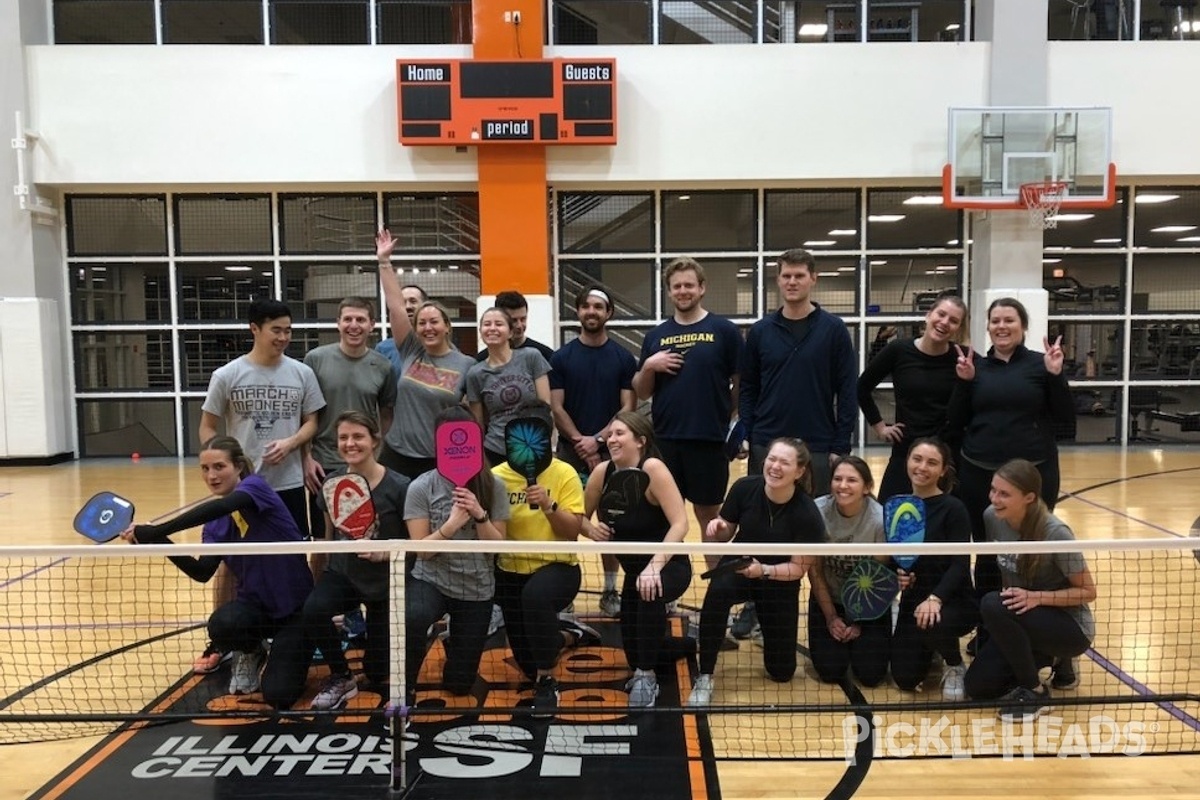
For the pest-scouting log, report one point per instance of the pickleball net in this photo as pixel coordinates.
(100, 637)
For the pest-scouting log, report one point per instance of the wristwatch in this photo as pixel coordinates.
(550, 509)
(486, 516)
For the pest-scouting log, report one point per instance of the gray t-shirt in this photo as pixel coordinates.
(370, 578)
(866, 528)
(261, 404)
(1053, 571)
(504, 389)
(366, 383)
(463, 576)
(427, 385)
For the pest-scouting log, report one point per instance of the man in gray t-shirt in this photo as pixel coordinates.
(269, 403)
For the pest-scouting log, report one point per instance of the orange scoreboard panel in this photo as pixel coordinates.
(544, 101)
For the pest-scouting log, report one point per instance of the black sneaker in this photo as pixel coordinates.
(745, 622)
(545, 697)
(1065, 676)
(1024, 705)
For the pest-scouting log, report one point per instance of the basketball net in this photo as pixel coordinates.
(1043, 199)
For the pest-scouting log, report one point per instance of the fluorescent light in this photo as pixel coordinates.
(266, 274)
(237, 269)
(452, 266)
(1072, 217)
(946, 268)
(1173, 229)
(820, 243)
(1189, 239)
(827, 274)
(1051, 260)
(842, 232)
(923, 200)
(1107, 241)
(685, 197)
(885, 218)
(814, 29)
(952, 242)
(878, 263)
(931, 272)
(847, 269)
(953, 26)
(1154, 198)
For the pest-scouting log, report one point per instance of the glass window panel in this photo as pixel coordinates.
(316, 22)
(313, 291)
(694, 221)
(1172, 222)
(880, 334)
(119, 293)
(424, 21)
(104, 22)
(1164, 414)
(305, 339)
(113, 427)
(1079, 284)
(899, 218)
(1166, 283)
(905, 284)
(1096, 19)
(1104, 228)
(707, 22)
(123, 361)
(630, 284)
(1092, 350)
(1097, 416)
(192, 408)
(212, 21)
(1164, 349)
(1171, 19)
(836, 290)
(602, 22)
(203, 351)
(606, 223)
(730, 287)
(433, 223)
(453, 284)
(326, 224)
(792, 218)
(116, 226)
(222, 292)
(219, 224)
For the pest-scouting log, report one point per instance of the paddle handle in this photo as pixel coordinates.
(530, 482)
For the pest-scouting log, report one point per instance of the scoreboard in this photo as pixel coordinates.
(530, 101)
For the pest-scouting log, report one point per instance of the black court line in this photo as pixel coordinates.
(62, 673)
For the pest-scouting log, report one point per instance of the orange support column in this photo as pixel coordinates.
(514, 230)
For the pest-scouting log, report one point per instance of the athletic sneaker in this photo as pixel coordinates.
(610, 603)
(497, 620)
(1065, 674)
(953, 687)
(701, 692)
(643, 689)
(584, 635)
(1024, 705)
(247, 667)
(210, 660)
(545, 697)
(334, 692)
(745, 622)
(354, 624)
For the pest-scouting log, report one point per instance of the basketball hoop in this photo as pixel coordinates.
(1043, 199)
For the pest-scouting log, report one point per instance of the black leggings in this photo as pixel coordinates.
(913, 647)
(778, 606)
(335, 594)
(867, 655)
(644, 622)
(974, 489)
(1019, 645)
(531, 604)
(425, 604)
(239, 626)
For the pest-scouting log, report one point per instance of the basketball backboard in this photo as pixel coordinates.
(994, 151)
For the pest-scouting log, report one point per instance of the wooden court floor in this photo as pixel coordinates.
(1135, 493)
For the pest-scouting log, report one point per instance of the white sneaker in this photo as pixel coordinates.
(702, 691)
(953, 687)
(335, 691)
(643, 689)
(497, 620)
(246, 670)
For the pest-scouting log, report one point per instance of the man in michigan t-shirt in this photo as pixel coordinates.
(269, 403)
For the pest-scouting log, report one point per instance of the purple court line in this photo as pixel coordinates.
(1129, 517)
(32, 572)
(1144, 690)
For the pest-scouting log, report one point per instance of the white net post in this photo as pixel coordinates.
(397, 710)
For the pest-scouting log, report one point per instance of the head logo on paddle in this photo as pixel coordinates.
(348, 500)
(869, 590)
(904, 516)
(459, 445)
(527, 447)
(104, 516)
